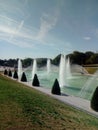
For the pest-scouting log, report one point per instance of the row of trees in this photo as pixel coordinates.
(84, 58)
(79, 58)
(76, 58)
(25, 62)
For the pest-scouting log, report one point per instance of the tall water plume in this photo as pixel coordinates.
(34, 68)
(68, 68)
(62, 71)
(19, 69)
(48, 66)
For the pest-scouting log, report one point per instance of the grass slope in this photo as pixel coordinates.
(23, 108)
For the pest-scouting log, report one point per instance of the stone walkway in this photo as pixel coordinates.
(75, 102)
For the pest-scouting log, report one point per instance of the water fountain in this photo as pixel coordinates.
(48, 66)
(88, 87)
(34, 68)
(68, 68)
(71, 77)
(19, 69)
(62, 71)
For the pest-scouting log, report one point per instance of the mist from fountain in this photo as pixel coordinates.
(34, 68)
(19, 69)
(68, 68)
(87, 86)
(48, 66)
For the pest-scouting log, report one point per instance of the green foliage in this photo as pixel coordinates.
(10, 73)
(23, 78)
(56, 60)
(76, 57)
(5, 72)
(27, 62)
(15, 75)
(94, 100)
(56, 88)
(35, 81)
(41, 62)
(83, 58)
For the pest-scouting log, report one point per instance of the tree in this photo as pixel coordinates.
(56, 88)
(10, 73)
(56, 60)
(35, 81)
(27, 62)
(5, 72)
(23, 78)
(94, 100)
(15, 76)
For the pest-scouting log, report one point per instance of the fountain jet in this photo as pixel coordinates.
(48, 66)
(34, 68)
(19, 69)
(68, 68)
(62, 71)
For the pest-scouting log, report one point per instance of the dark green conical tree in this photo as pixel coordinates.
(56, 88)
(15, 75)
(23, 77)
(94, 100)
(35, 81)
(10, 73)
(5, 72)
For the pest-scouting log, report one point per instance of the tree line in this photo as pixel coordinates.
(81, 58)
(76, 57)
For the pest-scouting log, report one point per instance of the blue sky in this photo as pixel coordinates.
(46, 28)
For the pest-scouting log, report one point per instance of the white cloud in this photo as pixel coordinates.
(87, 38)
(13, 31)
(16, 33)
(48, 22)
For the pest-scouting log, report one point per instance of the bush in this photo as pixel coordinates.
(56, 88)
(15, 76)
(94, 100)
(5, 72)
(35, 81)
(23, 78)
(10, 73)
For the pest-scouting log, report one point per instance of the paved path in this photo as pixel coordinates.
(76, 102)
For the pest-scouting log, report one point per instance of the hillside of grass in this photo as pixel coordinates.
(24, 108)
(91, 70)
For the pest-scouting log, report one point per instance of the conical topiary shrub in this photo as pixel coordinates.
(10, 73)
(23, 77)
(35, 81)
(94, 100)
(56, 88)
(5, 72)
(15, 75)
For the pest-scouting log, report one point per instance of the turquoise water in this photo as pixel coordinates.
(74, 84)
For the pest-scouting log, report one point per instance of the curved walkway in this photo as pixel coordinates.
(76, 102)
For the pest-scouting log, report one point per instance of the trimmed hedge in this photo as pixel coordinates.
(36, 81)
(56, 88)
(15, 75)
(5, 72)
(23, 78)
(10, 73)
(94, 100)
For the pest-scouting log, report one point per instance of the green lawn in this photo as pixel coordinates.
(24, 108)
